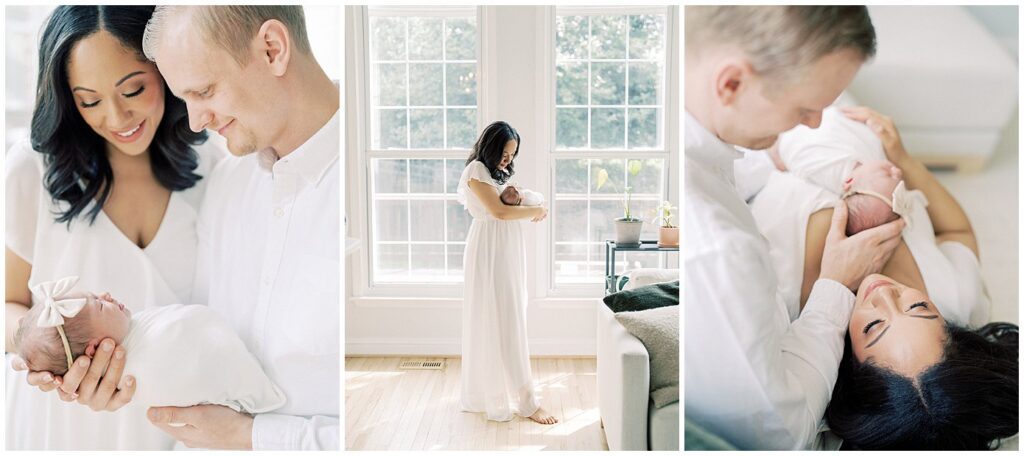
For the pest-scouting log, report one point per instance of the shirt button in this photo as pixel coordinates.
(278, 212)
(266, 280)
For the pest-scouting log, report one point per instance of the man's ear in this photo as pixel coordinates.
(274, 46)
(90, 348)
(732, 77)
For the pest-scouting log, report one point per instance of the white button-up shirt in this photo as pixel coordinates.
(753, 377)
(269, 234)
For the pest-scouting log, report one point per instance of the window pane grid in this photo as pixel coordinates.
(435, 68)
(579, 203)
(443, 213)
(631, 124)
(423, 106)
(605, 120)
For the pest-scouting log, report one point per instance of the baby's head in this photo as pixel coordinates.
(511, 196)
(41, 347)
(866, 211)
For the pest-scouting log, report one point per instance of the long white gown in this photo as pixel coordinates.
(105, 260)
(496, 377)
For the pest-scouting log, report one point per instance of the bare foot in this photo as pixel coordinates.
(543, 417)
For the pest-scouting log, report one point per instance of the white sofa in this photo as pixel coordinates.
(944, 79)
(630, 420)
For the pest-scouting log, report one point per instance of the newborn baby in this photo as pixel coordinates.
(180, 355)
(874, 193)
(840, 156)
(514, 196)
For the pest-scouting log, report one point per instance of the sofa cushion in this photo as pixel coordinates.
(643, 298)
(658, 329)
(641, 277)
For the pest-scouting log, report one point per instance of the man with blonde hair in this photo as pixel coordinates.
(270, 222)
(753, 377)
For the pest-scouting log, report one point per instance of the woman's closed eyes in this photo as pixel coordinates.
(879, 321)
(135, 93)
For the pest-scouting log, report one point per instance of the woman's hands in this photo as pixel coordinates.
(542, 213)
(95, 383)
(883, 127)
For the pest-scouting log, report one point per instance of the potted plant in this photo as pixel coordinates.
(627, 227)
(668, 234)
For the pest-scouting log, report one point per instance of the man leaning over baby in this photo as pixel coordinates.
(270, 221)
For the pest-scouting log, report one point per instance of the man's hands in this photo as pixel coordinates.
(205, 426)
(95, 383)
(883, 127)
(848, 260)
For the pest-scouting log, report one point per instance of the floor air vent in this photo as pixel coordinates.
(428, 365)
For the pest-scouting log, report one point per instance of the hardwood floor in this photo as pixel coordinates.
(387, 408)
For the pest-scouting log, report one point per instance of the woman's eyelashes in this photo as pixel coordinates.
(880, 321)
(137, 92)
(871, 325)
(919, 304)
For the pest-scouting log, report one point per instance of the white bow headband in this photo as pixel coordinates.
(56, 307)
(900, 202)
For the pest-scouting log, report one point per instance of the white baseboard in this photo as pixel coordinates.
(453, 347)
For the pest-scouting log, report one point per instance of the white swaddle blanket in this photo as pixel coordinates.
(183, 355)
(530, 197)
(825, 155)
(951, 272)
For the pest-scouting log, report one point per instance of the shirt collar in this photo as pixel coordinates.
(705, 147)
(312, 159)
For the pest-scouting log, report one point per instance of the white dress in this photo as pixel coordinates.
(496, 377)
(105, 260)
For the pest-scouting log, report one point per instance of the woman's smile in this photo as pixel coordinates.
(131, 134)
(874, 286)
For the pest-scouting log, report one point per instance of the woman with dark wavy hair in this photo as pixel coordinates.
(965, 401)
(913, 373)
(495, 378)
(107, 188)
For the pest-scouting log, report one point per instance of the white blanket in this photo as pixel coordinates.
(530, 197)
(825, 155)
(183, 355)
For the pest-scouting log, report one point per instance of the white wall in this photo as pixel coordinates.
(433, 325)
(1002, 22)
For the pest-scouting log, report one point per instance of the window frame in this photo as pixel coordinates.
(540, 255)
(671, 119)
(367, 286)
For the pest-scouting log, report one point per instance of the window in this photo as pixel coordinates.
(423, 120)
(609, 121)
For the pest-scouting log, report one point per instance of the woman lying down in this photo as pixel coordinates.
(181, 355)
(914, 374)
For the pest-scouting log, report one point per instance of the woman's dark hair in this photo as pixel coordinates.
(490, 147)
(967, 401)
(77, 168)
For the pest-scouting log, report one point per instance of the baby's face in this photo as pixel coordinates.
(107, 317)
(879, 176)
(511, 196)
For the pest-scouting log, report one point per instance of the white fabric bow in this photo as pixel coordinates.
(901, 200)
(54, 307)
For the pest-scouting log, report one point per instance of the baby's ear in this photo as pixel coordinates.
(90, 348)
